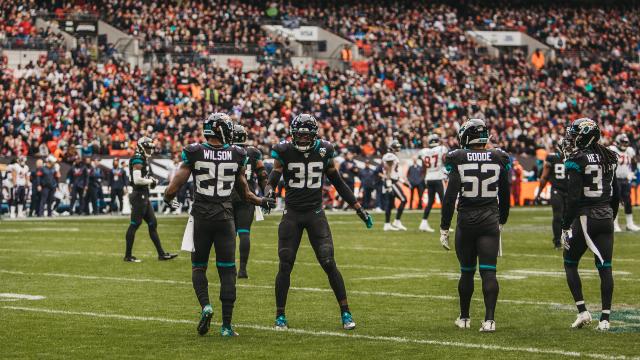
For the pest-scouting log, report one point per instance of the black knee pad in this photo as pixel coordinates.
(152, 226)
(135, 225)
(325, 257)
(286, 260)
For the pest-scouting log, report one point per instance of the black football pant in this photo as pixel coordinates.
(418, 190)
(394, 192)
(243, 218)
(91, 197)
(625, 194)
(558, 204)
(598, 232)
(433, 187)
(77, 192)
(141, 209)
(46, 200)
(292, 225)
(220, 234)
(478, 241)
(116, 194)
(35, 201)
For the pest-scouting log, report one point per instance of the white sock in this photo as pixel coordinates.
(424, 222)
(629, 219)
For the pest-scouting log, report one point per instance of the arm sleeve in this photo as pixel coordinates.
(139, 180)
(615, 197)
(574, 181)
(341, 187)
(450, 197)
(504, 195)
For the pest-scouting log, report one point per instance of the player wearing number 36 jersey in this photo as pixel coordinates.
(304, 162)
(218, 168)
(591, 207)
(478, 178)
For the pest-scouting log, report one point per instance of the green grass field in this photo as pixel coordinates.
(402, 289)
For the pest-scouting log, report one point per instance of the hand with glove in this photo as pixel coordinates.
(444, 239)
(565, 238)
(154, 183)
(173, 204)
(364, 216)
(267, 204)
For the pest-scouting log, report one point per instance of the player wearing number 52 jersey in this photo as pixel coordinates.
(434, 175)
(217, 167)
(591, 207)
(304, 162)
(554, 173)
(624, 176)
(479, 179)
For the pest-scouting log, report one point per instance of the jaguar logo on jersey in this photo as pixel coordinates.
(322, 152)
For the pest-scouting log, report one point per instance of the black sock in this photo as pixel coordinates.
(387, 213)
(606, 291)
(344, 308)
(279, 311)
(465, 291)
(200, 284)
(245, 247)
(153, 234)
(575, 284)
(130, 237)
(227, 292)
(490, 290)
(400, 210)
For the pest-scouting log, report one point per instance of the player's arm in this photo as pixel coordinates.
(615, 197)
(574, 180)
(242, 187)
(544, 178)
(14, 177)
(345, 192)
(261, 175)
(504, 194)
(274, 178)
(137, 176)
(450, 197)
(179, 179)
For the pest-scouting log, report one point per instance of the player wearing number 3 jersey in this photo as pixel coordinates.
(218, 168)
(591, 207)
(478, 178)
(304, 162)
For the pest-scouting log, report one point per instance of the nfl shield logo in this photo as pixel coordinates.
(322, 152)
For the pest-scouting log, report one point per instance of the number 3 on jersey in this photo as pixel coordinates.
(225, 175)
(309, 174)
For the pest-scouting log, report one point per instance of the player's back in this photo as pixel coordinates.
(557, 176)
(480, 173)
(596, 180)
(303, 173)
(432, 160)
(253, 156)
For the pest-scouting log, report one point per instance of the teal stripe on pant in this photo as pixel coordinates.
(241, 231)
(225, 264)
(487, 267)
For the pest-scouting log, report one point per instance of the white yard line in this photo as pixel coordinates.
(270, 287)
(392, 339)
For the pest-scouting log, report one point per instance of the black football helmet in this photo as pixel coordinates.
(582, 133)
(239, 135)
(472, 132)
(622, 142)
(433, 140)
(145, 146)
(220, 126)
(304, 131)
(395, 146)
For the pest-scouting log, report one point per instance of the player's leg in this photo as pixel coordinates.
(557, 207)
(149, 217)
(466, 253)
(487, 247)
(225, 245)
(571, 260)
(616, 223)
(601, 231)
(322, 244)
(289, 236)
(388, 206)
(203, 233)
(21, 200)
(244, 219)
(397, 191)
(137, 212)
(625, 196)
(44, 195)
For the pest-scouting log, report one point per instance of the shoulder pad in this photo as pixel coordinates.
(502, 155)
(453, 157)
(575, 161)
(240, 150)
(329, 148)
(255, 152)
(193, 147)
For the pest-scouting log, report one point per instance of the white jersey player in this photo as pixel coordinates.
(18, 174)
(433, 168)
(624, 175)
(392, 188)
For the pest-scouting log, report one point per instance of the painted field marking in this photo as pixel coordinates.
(17, 297)
(393, 339)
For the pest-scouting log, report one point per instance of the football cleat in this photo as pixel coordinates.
(167, 256)
(205, 320)
(242, 274)
(488, 326)
(464, 323)
(132, 259)
(632, 227)
(424, 226)
(603, 325)
(227, 331)
(583, 318)
(398, 224)
(282, 323)
(616, 226)
(347, 321)
(389, 227)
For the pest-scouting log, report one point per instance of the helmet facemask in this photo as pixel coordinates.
(303, 139)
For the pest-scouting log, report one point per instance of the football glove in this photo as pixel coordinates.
(566, 238)
(444, 239)
(267, 203)
(364, 216)
(172, 204)
(153, 184)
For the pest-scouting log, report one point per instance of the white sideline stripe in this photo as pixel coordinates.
(40, 229)
(270, 287)
(394, 339)
(12, 296)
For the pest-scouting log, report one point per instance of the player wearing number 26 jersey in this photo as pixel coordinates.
(478, 178)
(591, 207)
(554, 173)
(304, 162)
(217, 167)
